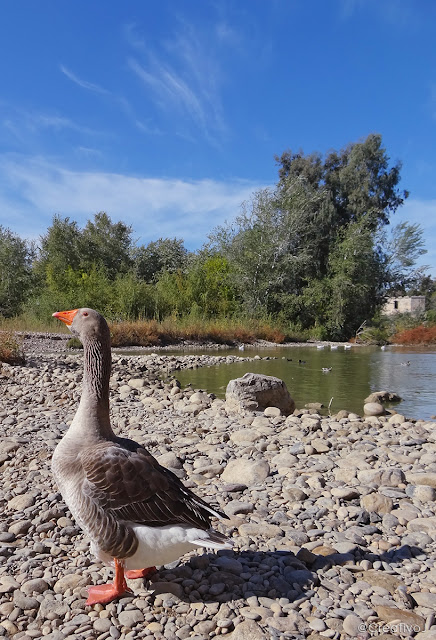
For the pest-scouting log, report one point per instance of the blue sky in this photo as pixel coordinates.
(168, 114)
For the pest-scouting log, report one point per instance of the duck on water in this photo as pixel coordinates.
(136, 513)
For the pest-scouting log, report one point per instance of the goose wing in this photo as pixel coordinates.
(130, 485)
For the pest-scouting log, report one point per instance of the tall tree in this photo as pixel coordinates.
(106, 244)
(401, 250)
(355, 274)
(274, 245)
(307, 249)
(358, 177)
(15, 272)
(60, 247)
(165, 254)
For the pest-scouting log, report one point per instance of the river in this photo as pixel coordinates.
(355, 373)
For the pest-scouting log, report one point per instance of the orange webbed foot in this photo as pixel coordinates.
(105, 593)
(140, 573)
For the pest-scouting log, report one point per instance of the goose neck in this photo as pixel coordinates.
(94, 403)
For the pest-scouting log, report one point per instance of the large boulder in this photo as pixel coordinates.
(383, 396)
(256, 392)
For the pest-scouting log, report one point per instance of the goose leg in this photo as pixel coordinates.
(104, 593)
(140, 573)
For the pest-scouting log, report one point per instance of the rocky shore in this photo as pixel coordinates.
(333, 518)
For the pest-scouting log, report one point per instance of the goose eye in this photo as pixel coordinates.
(85, 313)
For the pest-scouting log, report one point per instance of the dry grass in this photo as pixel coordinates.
(143, 333)
(11, 349)
(148, 333)
(418, 335)
(27, 324)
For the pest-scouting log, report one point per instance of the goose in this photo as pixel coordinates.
(326, 369)
(405, 364)
(136, 513)
(320, 346)
(347, 346)
(333, 347)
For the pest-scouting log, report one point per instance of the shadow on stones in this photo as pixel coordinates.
(231, 575)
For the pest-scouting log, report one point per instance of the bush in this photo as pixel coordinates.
(417, 335)
(431, 316)
(374, 335)
(11, 350)
(74, 343)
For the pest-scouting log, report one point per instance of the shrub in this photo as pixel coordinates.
(417, 335)
(74, 343)
(11, 350)
(374, 335)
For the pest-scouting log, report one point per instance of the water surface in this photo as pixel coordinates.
(355, 374)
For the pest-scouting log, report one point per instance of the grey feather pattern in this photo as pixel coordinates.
(124, 483)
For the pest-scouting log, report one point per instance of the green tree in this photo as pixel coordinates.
(131, 298)
(358, 178)
(165, 254)
(106, 244)
(425, 286)
(60, 248)
(274, 245)
(15, 272)
(211, 286)
(355, 274)
(401, 250)
(172, 295)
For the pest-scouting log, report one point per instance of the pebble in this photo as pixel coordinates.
(130, 617)
(352, 625)
(333, 519)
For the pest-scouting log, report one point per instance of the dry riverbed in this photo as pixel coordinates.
(333, 519)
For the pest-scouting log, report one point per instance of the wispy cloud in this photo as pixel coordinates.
(90, 86)
(32, 190)
(183, 78)
(122, 102)
(57, 123)
(21, 123)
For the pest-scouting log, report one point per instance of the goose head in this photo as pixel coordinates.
(86, 324)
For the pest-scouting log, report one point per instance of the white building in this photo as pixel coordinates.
(404, 304)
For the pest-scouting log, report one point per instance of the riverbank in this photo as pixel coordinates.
(44, 342)
(332, 519)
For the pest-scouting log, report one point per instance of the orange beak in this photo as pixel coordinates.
(66, 316)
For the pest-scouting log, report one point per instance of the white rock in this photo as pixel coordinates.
(244, 435)
(373, 409)
(248, 472)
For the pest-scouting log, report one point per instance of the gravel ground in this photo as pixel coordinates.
(333, 519)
